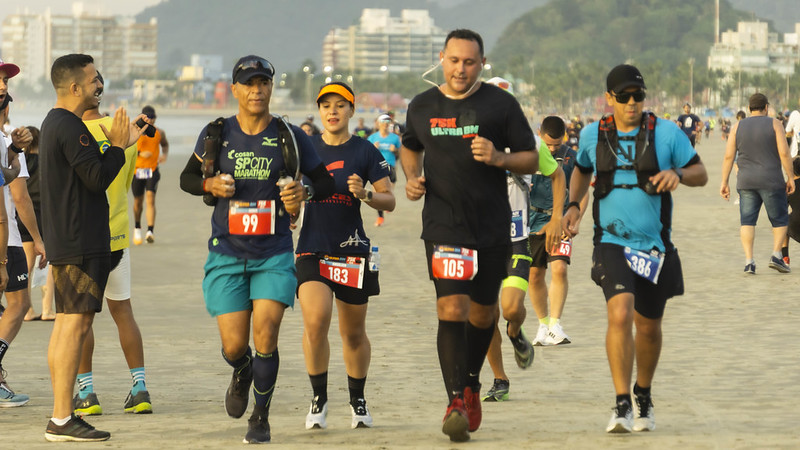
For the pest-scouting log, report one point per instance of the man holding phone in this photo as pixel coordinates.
(153, 150)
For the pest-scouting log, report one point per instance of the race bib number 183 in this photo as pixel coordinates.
(251, 218)
(454, 263)
(646, 265)
(344, 270)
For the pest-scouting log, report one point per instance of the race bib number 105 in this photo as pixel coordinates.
(646, 265)
(454, 263)
(344, 270)
(251, 218)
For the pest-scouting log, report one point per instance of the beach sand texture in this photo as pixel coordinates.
(728, 375)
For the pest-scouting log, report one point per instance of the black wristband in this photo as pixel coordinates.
(14, 148)
(575, 204)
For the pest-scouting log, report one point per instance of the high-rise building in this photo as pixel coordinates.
(120, 46)
(381, 43)
(753, 49)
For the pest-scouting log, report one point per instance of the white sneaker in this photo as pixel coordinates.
(361, 415)
(621, 419)
(149, 237)
(316, 415)
(556, 335)
(137, 236)
(541, 336)
(645, 416)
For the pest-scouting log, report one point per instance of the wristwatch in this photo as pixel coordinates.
(679, 172)
(309, 191)
(368, 197)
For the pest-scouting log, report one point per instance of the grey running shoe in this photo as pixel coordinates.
(645, 419)
(523, 349)
(238, 393)
(139, 403)
(257, 427)
(76, 429)
(621, 419)
(89, 406)
(498, 392)
(10, 399)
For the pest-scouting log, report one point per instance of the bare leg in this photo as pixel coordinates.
(63, 358)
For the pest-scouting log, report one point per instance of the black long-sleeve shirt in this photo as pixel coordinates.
(75, 176)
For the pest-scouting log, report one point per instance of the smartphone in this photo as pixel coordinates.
(150, 131)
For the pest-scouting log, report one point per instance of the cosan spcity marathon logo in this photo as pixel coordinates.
(448, 127)
(249, 166)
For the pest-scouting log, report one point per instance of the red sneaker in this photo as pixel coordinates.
(472, 401)
(455, 423)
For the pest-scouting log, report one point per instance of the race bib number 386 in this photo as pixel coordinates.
(251, 218)
(454, 263)
(646, 265)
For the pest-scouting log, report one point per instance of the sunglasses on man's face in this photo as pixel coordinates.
(255, 63)
(625, 97)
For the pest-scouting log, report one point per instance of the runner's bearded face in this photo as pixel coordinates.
(3, 85)
(627, 115)
(335, 113)
(91, 89)
(461, 64)
(253, 95)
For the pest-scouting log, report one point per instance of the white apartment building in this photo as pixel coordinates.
(381, 43)
(753, 49)
(120, 46)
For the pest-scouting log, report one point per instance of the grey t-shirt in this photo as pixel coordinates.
(759, 162)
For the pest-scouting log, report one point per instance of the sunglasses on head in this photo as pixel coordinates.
(625, 97)
(255, 63)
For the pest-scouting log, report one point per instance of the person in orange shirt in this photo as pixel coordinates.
(145, 179)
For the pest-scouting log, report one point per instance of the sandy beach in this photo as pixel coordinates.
(728, 376)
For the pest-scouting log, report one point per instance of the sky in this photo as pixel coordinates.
(110, 7)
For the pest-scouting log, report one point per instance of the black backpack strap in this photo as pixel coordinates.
(212, 145)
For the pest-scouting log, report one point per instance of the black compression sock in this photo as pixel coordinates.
(240, 362)
(784, 251)
(478, 340)
(640, 391)
(451, 341)
(319, 384)
(356, 387)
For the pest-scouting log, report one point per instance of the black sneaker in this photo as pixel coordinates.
(75, 430)
(523, 349)
(498, 392)
(257, 427)
(89, 406)
(238, 393)
(139, 403)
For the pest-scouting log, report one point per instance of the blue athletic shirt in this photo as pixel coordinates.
(333, 226)
(541, 194)
(255, 162)
(384, 145)
(630, 217)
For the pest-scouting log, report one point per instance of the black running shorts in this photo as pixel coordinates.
(308, 270)
(79, 288)
(611, 272)
(485, 287)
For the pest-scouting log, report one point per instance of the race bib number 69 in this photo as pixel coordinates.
(454, 263)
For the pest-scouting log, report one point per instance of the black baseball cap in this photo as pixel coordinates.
(622, 77)
(250, 66)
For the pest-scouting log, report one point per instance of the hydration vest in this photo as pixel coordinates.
(645, 162)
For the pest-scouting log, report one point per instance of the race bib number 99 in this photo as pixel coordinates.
(344, 270)
(646, 265)
(251, 218)
(454, 263)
